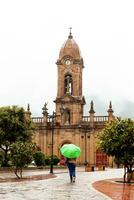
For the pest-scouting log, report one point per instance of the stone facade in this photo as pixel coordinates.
(67, 124)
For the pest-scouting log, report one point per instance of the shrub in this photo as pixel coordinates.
(56, 160)
(4, 162)
(21, 156)
(39, 158)
(48, 160)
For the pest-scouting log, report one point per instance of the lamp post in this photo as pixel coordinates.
(52, 141)
(52, 117)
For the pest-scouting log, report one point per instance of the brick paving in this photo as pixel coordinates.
(115, 190)
(60, 188)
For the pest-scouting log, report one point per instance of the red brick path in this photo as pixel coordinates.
(115, 190)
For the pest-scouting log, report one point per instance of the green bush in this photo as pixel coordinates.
(39, 158)
(48, 160)
(21, 156)
(56, 160)
(1, 157)
(4, 162)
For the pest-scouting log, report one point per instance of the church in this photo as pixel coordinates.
(68, 124)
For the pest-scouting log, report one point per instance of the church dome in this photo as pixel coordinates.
(70, 48)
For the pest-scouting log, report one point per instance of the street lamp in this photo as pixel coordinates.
(52, 118)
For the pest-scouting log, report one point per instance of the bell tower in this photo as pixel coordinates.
(69, 100)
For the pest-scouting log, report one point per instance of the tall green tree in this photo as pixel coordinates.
(117, 140)
(15, 125)
(21, 156)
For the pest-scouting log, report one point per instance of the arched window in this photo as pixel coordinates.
(68, 83)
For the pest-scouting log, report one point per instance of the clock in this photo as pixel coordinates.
(68, 62)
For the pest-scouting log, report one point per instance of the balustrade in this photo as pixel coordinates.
(37, 119)
(100, 118)
(96, 118)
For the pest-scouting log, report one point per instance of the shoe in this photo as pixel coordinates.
(73, 179)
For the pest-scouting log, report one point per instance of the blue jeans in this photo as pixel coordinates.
(71, 168)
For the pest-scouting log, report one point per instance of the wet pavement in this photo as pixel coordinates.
(58, 188)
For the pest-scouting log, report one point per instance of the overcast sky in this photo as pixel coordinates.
(32, 33)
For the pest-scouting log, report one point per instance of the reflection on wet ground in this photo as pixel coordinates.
(60, 188)
(27, 178)
(115, 189)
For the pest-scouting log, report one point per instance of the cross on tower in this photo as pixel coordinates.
(70, 30)
(70, 33)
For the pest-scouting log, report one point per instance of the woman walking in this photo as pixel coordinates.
(71, 164)
(71, 152)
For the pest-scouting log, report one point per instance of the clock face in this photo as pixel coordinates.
(68, 62)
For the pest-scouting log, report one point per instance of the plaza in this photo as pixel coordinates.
(71, 83)
(60, 188)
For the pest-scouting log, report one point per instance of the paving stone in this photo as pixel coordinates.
(59, 188)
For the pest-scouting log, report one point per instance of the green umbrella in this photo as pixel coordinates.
(70, 151)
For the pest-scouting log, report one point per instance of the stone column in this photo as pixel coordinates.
(45, 114)
(91, 112)
(110, 113)
(28, 112)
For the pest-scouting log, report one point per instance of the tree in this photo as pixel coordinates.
(117, 140)
(15, 125)
(21, 156)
